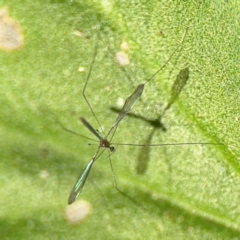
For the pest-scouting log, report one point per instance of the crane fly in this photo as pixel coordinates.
(103, 142)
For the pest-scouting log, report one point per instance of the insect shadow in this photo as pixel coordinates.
(104, 143)
(157, 124)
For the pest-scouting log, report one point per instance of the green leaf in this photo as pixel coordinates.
(187, 192)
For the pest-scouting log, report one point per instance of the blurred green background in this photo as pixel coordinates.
(187, 192)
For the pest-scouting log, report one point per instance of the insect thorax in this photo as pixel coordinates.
(104, 143)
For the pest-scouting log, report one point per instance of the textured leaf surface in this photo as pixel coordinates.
(187, 192)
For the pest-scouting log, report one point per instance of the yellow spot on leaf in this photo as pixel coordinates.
(11, 37)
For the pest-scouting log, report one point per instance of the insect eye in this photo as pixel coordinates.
(112, 149)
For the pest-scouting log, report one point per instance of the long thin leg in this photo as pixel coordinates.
(113, 176)
(169, 59)
(86, 83)
(71, 131)
(116, 187)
